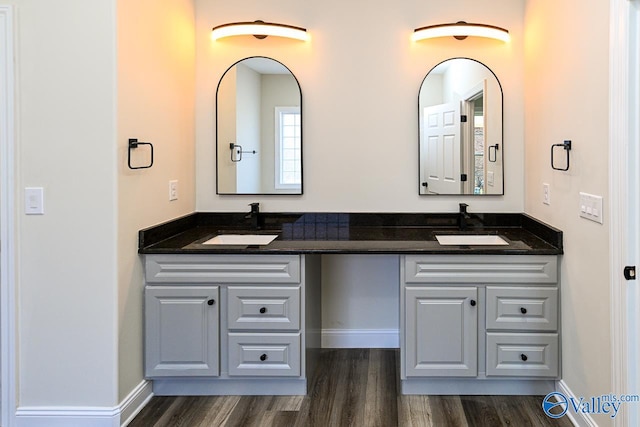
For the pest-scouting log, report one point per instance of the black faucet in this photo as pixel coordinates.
(463, 216)
(254, 216)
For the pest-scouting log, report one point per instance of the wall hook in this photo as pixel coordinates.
(133, 144)
(567, 147)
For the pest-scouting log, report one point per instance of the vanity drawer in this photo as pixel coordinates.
(222, 269)
(268, 354)
(480, 269)
(522, 355)
(522, 308)
(263, 307)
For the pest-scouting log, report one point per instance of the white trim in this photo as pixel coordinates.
(135, 401)
(360, 338)
(7, 218)
(458, 386)
(65, 416)
(278, 148)
(623, 88)
(582, 420)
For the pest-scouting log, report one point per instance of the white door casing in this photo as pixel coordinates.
(7, 219)
(624, 206)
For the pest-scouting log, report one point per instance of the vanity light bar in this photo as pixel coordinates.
(461, 30)
(260, 30)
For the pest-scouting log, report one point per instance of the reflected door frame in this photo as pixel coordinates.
(7, 218)
(468, 135)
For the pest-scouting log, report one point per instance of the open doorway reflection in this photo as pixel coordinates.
(478, 146)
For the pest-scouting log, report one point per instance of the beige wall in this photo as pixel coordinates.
(156, 104)
(66, 272)
(360, 76)
(360, 79)
(567, 98)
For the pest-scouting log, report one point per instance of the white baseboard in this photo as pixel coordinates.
(65, 416)
(578, 419)
(360, 338)
(135, 401)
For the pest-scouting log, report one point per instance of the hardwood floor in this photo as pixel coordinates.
(355, 387)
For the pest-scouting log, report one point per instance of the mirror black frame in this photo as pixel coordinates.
(501, 149)
(301, 134)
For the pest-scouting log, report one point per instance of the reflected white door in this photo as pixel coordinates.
(441, 145)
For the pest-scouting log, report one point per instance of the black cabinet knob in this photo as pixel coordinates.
(211, 302)
(473, 303)
(523, 310)
(263, 310)
(263, 357)
(523, 357)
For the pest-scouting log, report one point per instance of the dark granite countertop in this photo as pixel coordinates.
(351, 233)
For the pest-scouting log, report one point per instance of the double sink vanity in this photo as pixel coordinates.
(233, 300)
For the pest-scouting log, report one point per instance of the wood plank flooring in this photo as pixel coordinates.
(353, 387)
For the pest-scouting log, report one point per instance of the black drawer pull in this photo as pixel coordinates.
(263, 357)
(523, 310)
(524, 357)
(263, 310)
(473, 303)
(211, 302)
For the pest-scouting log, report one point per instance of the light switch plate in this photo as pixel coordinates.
(591, 207)
(546, 194)
(173, 190)
(34, 201)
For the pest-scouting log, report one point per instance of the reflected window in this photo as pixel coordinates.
(288, 148)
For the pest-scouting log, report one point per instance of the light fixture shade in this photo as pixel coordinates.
(259, 29)
(461, 30)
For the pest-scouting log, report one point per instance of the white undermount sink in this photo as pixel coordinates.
(471, 239)
(241, 239)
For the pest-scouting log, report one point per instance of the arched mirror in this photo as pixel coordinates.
(258, 129)
(460, 118)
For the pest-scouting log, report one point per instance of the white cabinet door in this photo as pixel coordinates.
(182, 331)
(441, 331)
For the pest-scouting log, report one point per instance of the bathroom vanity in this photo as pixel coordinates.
(246, 318)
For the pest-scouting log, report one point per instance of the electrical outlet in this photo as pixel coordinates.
(591, 207)
(546, 194)
(173, 190)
